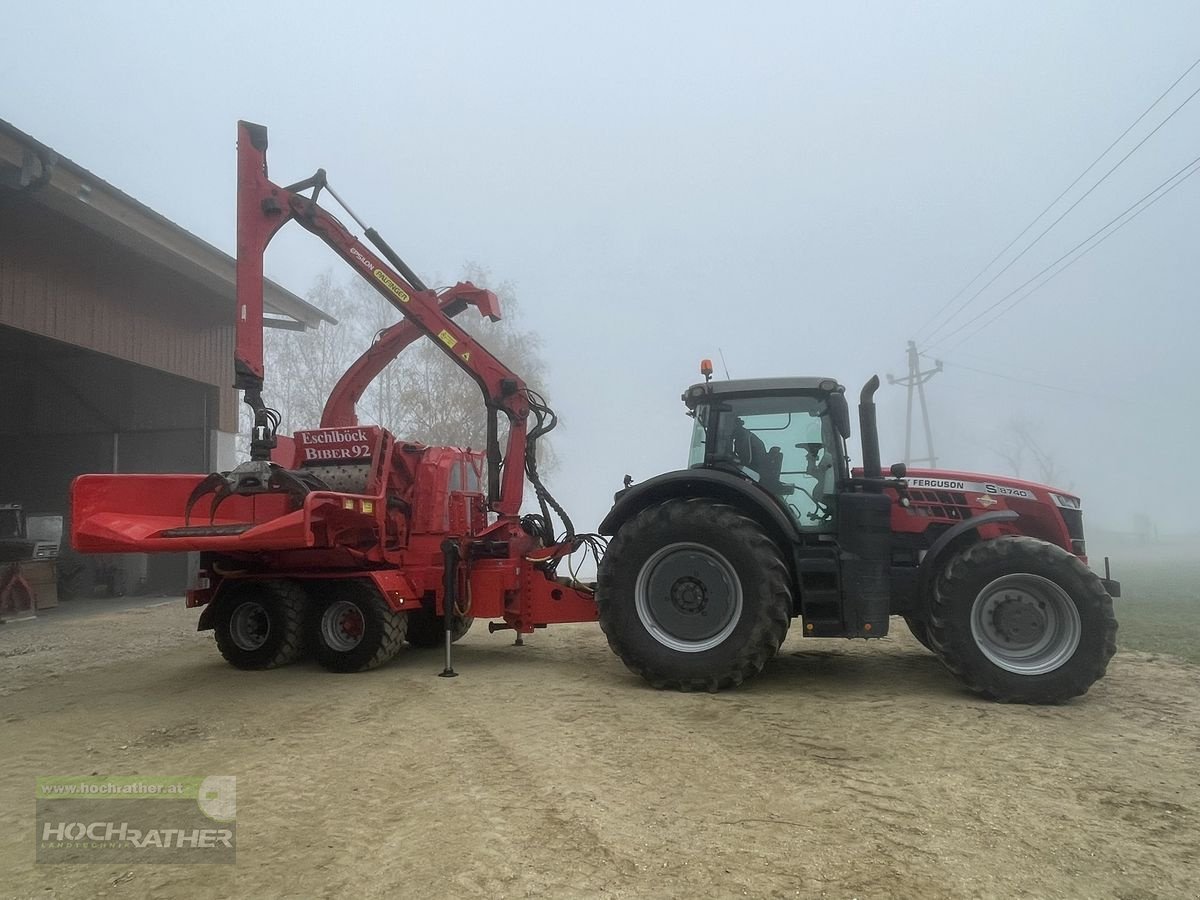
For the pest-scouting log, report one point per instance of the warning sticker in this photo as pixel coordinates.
(447, 338)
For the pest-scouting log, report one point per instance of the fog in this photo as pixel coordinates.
(795, 187)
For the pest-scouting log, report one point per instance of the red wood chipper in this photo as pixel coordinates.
(343, 538)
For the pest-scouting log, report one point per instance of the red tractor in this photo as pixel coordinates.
(709, 565)
(348, 541)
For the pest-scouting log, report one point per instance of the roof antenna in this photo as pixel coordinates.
(723, 365)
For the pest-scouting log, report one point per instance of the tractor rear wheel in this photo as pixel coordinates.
(426, 630)
(1022, 621)
(692, 595)
(354, 629)
(259, 624)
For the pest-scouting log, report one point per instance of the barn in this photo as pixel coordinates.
(116, 345)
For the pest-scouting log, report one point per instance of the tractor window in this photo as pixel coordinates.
(696, 456)
(787, 444)
(10, 523)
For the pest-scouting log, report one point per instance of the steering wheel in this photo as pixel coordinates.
(820, 512)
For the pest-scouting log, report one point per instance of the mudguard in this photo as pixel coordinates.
(734, 489)
(928, 569)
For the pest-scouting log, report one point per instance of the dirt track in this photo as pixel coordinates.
(845, 771)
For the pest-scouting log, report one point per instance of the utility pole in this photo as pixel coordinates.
(915, 380)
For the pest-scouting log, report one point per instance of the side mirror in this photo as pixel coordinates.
(839, 411)
(899, 470)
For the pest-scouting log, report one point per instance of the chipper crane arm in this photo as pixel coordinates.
(263, 208)
(339, 409)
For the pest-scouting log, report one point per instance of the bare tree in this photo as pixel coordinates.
(1018, 447)
(303, 366)
(422, 395)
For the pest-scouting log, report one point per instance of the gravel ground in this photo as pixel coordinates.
(846, 770)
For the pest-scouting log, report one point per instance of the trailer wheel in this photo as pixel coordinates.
(692, 595)
(427, 630)
(1022, 621)
(354, 629)
(259, 624)
(920, 630)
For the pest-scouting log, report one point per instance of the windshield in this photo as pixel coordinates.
(787, 444)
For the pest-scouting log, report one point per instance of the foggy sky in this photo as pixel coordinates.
(799, 185)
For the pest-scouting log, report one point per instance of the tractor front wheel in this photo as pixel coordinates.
(354, 629)
(1022, 621)
(692, 595)
(259, 624)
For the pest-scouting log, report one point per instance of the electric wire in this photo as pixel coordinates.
(1065, 190)
(929, 335)
(1145, 203)
(1018, 380)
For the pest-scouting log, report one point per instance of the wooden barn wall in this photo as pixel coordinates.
(60, 280)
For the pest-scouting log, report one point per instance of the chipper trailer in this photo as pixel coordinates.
(346, 541)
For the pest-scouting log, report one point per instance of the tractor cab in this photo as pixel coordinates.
(781, 433)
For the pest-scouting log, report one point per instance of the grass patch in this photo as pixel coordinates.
(1159, 611)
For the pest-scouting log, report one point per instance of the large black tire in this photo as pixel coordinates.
(920, 630)
(1020, 620)
(354, 629)
(426, 630)
(260, 624)
(692, 595)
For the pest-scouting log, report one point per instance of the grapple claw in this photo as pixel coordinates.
(253, 477)
(217, 482)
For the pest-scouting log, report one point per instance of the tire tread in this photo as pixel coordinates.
(678, 516)
(953, 587)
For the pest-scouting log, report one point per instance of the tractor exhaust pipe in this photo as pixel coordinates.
(869, 429)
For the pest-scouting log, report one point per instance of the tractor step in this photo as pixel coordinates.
(821, 594)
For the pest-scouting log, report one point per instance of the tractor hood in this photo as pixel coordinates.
(996, 486)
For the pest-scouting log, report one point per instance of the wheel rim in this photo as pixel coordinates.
(342, 626)
(250, 626)
(1025, 624)
(688, 597)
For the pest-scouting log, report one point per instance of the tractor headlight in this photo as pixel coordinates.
(1066, 502)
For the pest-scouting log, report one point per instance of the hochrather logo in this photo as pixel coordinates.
(111, 819)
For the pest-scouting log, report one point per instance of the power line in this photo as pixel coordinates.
(1013, 378)
(1026, 381)
(1179, 178)
(1046, 230)
(1103, 178)
(1065, 190)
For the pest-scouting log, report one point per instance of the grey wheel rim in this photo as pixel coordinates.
(250, 626)
(688, 597)
(1025, 624)
(342, 626)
